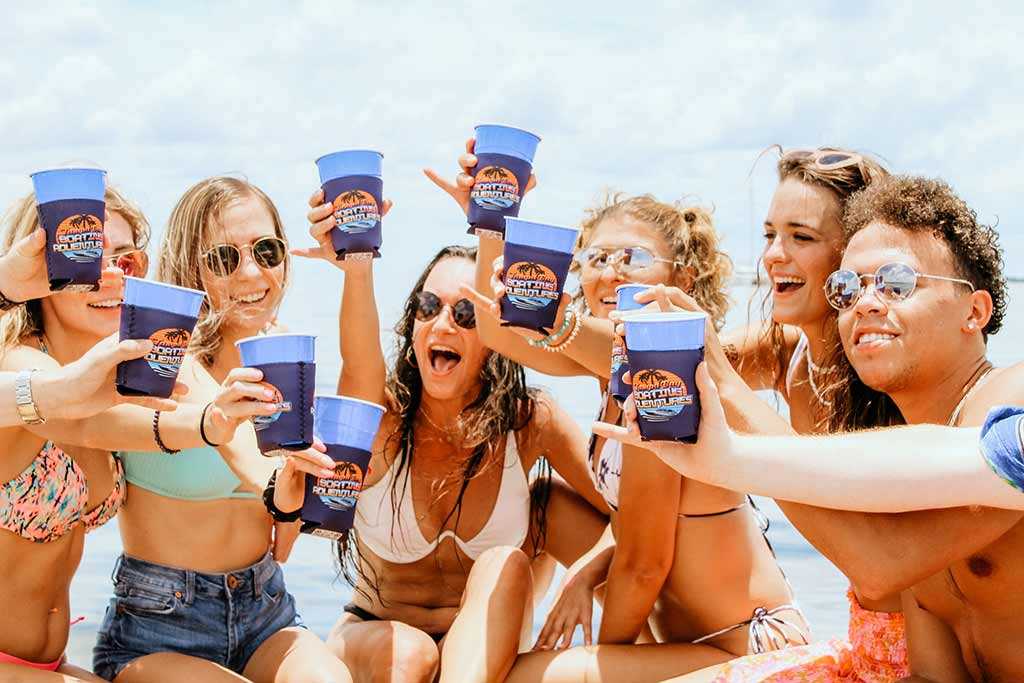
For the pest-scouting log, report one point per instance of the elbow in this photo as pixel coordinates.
(644, 572)
(876, 585)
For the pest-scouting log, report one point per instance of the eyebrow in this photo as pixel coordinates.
(795, 224)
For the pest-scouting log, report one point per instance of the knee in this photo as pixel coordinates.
(413, 656)
(504, 563)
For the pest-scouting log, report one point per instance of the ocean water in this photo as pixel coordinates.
(820, 588)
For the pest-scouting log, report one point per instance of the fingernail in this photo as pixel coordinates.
(268, 394)
(327, 472)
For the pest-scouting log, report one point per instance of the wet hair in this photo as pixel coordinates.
(192, 228)
(21, 219)
(505, 404)
(692, 238)
(920, 204)
(865, 407)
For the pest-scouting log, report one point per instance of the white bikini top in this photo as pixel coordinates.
(794, 361)
(609, 471)
(401, 541)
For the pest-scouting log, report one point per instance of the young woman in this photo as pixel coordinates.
(439, 553)
(665, 560)
(51, 494)
(198, 594)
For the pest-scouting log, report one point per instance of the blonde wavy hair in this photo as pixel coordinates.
(691, 235)
(21, 219)
(191, 230)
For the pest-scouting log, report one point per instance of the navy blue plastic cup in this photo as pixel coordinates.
(504, 164)
(664, 350)
(166, 315)
(347, 426)
(624, 303)
(352, 183)
(288, 363)
(537, 258)
(72, 211)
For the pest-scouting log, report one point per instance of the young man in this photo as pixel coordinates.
(920, 289)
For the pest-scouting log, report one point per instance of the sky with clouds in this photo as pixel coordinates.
(677, 99)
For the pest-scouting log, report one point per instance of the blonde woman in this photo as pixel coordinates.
(198, 594)
(58, 479)
(687, 558)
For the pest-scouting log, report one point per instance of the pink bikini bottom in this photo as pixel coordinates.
(51, 666)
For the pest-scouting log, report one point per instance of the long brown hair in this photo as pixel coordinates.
(505, 404)
(846, 403)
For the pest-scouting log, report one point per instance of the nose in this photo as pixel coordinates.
(111, 276)
(445, 320)
(774, 252)
(248, 268)
(611, 274)
(870, 303)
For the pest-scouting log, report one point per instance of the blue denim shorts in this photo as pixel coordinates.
(222, 618)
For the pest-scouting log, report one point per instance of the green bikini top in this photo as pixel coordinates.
(192, 474)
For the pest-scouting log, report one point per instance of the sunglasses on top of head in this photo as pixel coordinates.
(429, 306)
(224, 259)
(825, 159)
(892, 282)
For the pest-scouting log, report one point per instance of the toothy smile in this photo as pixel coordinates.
(444, 359)
(876, 338)
(105, 303)
(787, 283)
(253, 298)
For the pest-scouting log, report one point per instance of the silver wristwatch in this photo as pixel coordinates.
(27, 409)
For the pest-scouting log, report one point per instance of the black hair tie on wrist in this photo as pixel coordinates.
(156, 435)
(202, 428)
(275, 512)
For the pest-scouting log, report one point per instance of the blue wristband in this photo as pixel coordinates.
(1001, 444)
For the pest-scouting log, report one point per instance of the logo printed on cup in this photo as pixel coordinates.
(356, 211)
(263, 421)
(660, 395)
(530, 286)
(618, 354)
(79, 238)
(169, 347)
(341, 491)
(496, 188)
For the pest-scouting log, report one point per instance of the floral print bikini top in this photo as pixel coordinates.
(49, 498)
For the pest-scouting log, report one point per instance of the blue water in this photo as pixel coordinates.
(310, 572)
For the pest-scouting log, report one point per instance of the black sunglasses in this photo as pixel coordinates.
(224, 259)
(429, 306)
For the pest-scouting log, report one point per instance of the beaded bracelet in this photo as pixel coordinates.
(546, 341)
(564, 344)
(156, 435)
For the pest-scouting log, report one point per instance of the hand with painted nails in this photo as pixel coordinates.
(464, 181)
(321, 219)
(290, 488)
(86, 387)
(23, 269)
(700, 461)
(242, 396)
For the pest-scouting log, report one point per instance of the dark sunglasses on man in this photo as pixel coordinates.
(429, 306)
(892, 282)
(224, 259)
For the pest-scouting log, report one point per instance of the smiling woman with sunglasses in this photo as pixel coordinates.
(682, 563)
(198, 593)
(446, 521)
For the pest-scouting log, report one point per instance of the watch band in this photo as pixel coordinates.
(26, 405)
(7, 304)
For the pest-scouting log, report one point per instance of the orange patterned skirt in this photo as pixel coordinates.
(875, 653)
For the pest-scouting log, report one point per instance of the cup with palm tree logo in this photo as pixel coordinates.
(352, 184)
(347, 426)
(504, 163)
(625, 302)
(664, 350)
(166, 315)
(72, 211)
(537, 258)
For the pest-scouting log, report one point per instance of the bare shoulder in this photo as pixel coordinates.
(385, 448)
(23, 357)
(544, 426)
(1004, 386)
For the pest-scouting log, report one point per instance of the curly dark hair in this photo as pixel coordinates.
(848, 404)
(505, 404)
(929, 204)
